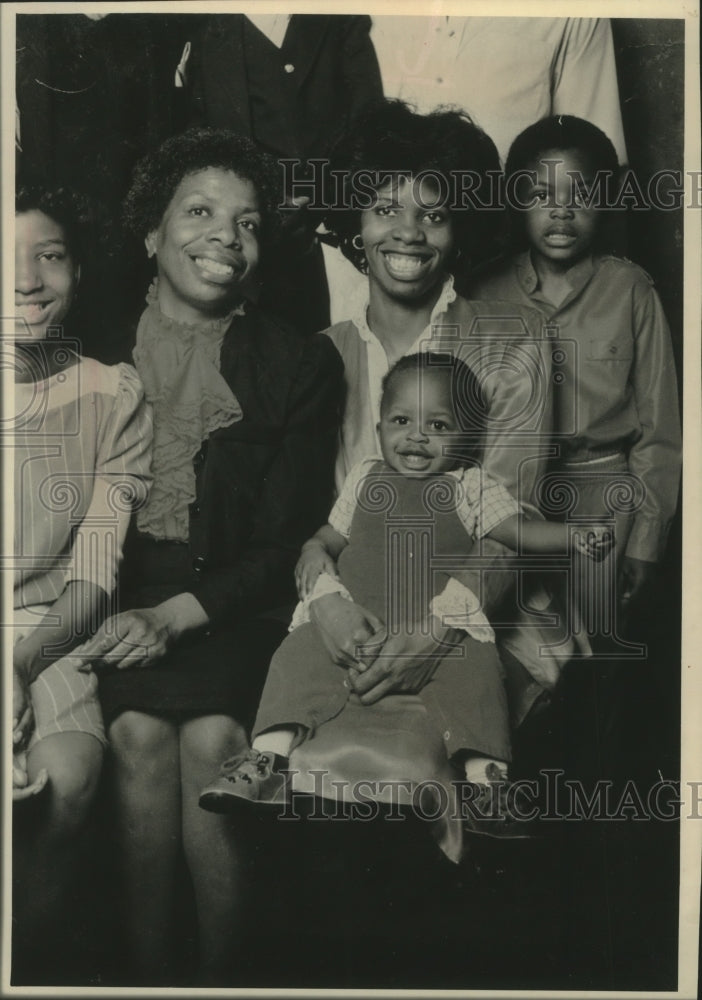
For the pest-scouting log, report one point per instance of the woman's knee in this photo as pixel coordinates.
(206, 741)
(74, 763)
(143, 743)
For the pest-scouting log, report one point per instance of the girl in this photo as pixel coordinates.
(82, 435)
(403, 525)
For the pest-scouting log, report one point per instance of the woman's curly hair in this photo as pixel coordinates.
(390, 138)
(73, 211)
(158, 174)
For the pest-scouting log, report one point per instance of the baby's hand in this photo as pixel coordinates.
(313, 561)
(594, 541)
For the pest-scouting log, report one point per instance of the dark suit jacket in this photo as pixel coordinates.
(335, 73)
(264, 484)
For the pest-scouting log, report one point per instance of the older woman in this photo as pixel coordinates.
(245, 418)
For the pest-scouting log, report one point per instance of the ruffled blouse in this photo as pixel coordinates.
(179, 365)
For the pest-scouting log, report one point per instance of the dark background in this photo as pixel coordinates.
(591, 906)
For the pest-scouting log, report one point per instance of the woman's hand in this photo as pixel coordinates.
(314, 560)
(345, 627)
(22, 712)
(405, 662)
(140, 637)
(21, 789)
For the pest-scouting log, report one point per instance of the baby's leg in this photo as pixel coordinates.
(467, 701)
(279, 740)
(303, 689)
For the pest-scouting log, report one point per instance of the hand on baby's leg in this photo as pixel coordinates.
(21, 789)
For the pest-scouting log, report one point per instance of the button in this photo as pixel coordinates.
(447, 735)
(613, 349)
(439, 79)
(199, 563)
(346, 684)
(195, 509)
(200, 457)
(289, 68)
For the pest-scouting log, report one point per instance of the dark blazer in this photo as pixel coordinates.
(335, 74)
(264, 484)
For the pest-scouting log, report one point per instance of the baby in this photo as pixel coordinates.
(399, 535)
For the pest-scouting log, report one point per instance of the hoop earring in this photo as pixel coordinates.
(357, 246)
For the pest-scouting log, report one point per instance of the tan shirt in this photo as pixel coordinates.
(619, 388)
(506, 72)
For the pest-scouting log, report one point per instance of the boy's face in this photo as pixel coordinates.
(417, 420)
(559, 228)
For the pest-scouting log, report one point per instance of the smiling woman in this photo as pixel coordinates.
(207, 243)
(245, 418)
(81, 437)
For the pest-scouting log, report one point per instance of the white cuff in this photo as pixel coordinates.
(324, 584)
(458, 607)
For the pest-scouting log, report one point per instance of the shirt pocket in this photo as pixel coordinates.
(611, 349)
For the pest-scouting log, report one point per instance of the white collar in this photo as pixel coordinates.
(360, 303)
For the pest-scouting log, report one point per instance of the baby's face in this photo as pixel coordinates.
(559, 226)
(417, 422)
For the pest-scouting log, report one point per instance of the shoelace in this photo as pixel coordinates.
(235, 765)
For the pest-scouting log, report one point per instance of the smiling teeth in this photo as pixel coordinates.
(404, 263)
(32, 307)
(214, 266)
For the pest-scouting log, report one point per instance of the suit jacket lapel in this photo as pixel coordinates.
(302, 42)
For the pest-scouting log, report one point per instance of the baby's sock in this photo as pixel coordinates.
(476, 768)
(280, 741)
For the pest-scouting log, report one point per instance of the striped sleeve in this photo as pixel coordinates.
(121, 483)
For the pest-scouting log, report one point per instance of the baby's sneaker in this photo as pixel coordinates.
(498, 808)
(255, 776)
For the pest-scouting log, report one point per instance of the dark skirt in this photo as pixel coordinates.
(218, 672)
